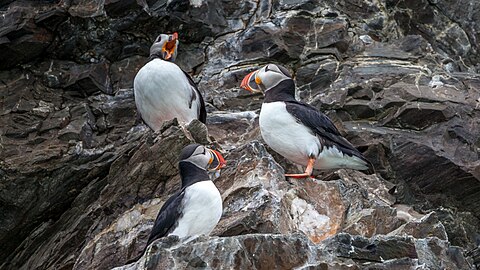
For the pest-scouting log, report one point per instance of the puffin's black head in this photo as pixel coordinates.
(165, 47)
(202, 157)
(265, 78)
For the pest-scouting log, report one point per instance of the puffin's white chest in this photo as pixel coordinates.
(202, 209)
(163, 92)
(285, 135)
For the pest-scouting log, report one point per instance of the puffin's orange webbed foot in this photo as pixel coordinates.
(298, 175)
(307, 173)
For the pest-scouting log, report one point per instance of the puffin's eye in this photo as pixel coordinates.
(159, 38)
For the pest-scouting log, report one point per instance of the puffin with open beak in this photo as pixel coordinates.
(197, 207)
(163, 91)
(296, 130)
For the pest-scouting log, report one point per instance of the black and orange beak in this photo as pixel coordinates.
(251, 82)
(217, 161)
(170, 46)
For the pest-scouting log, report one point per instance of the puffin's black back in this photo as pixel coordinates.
(165, 222)
(203, 111)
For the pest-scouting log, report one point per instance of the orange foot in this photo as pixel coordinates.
(307, 173)
(298, 175)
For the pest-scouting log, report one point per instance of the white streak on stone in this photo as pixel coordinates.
(308, 219)
(196, 3)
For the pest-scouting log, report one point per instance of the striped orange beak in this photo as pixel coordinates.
(250, 82)
(217, 160)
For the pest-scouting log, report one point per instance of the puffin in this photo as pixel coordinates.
(196, 208)
(296, 130)
(164, 91)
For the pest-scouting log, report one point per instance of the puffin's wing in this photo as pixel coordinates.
(202, 116)
(167, 217)
(323, 127)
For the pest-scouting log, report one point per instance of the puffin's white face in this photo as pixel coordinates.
(265, 78)
(202, 157)
(165, 47)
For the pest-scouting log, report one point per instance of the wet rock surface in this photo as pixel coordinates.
(82, 178)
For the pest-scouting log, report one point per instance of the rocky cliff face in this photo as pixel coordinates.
(82, 178)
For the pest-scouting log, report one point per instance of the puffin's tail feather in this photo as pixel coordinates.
(371, 169)
(150, 240)
(137, 257)
(352, 151)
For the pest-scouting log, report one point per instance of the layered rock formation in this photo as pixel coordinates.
(82, 178)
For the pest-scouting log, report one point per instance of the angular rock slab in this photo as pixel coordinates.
(258, 199)
(252, 251)
(296, 251)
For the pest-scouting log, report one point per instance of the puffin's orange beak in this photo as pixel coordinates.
(250, 82)
(170, 46)
(217, 158)
(245, 81)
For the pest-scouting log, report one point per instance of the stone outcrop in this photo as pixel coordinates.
(295, 251)
(82, 178)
